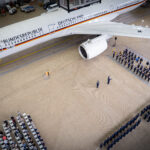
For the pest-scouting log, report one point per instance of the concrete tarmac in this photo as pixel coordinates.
(68, 109)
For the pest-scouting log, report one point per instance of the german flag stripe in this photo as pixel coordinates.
(76, 24)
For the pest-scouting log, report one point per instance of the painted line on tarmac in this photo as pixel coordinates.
(30, 54)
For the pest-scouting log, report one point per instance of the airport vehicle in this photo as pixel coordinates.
(11, 10)
(49, 4)
(24, 6)
(52, 6)
(73, 17)
(46, 4)
(27, 8)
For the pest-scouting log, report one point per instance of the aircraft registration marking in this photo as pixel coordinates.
(98, 15)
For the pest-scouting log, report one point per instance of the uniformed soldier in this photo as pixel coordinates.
(120, 53)
(108, 79)
(137, 71)
(141, 67)
(125, 62)
(126, 51)
(138, 66)
(131, 67)
(115, 42)
(134, 69)
(117, 57)
(132, 62)
(146, 71)
(122, 60)
(128, 65)
(101, 145)
(129, 53)
(141, 60)
(143, 74)
(128, 60)
(147, 63)
(97, 84)
(113, 54)
(135, 57)
(129, 56)
(148, 78)
(132, 54)
(140, 72)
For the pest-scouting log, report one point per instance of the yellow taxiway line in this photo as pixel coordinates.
(27, 55)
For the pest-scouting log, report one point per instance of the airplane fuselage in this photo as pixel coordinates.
(58, 23)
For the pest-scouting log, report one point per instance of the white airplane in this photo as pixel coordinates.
(90, 17)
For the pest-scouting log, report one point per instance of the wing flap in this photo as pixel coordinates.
(112, 29)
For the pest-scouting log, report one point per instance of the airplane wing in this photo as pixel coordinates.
(112, 29)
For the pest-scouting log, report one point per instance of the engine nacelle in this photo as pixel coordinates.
(94, 47)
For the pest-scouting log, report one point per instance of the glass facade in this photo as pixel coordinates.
(71, 5)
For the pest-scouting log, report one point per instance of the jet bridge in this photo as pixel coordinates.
(71, 5)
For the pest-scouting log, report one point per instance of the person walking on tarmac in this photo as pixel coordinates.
(97, 84)
(108, 80)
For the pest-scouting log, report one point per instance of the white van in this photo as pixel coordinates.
(11, 10)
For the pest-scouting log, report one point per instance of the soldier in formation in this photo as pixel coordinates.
(133, 62)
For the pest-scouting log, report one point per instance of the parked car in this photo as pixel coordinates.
(23, 7)
(27, 8)
(12, 10)
(51, 6)
(47, 4)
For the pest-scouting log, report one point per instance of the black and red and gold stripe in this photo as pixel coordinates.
(77, 24)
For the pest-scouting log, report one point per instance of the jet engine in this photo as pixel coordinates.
(93, 47)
